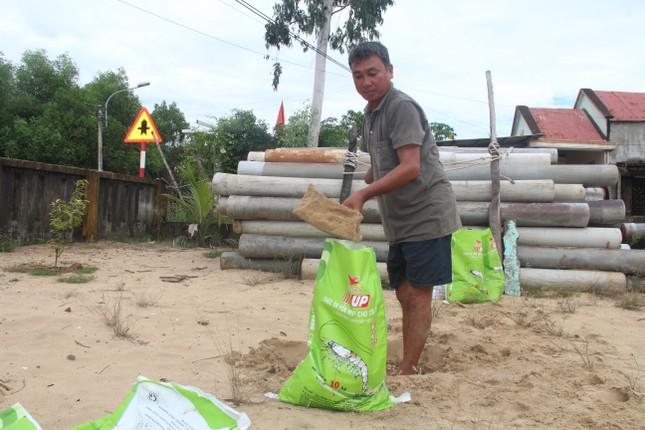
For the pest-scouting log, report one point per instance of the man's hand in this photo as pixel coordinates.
(369, 177)
(355, 201)
(406, 171)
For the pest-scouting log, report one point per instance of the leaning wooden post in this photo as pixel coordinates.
(165, 163)
(159, 210)
(494, 218)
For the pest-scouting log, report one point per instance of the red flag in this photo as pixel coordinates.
(280, 120)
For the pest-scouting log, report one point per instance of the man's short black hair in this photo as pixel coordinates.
(365, 50)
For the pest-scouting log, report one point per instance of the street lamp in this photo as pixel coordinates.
(103, 116)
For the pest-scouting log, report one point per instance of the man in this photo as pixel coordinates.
(416, 201)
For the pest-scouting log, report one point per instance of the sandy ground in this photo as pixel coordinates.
(576, 363)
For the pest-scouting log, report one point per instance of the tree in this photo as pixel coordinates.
(117, 156)
(442, 131)
(293, 19)
(7, 90)
(295, 131)
(46, 115)
(170, 122)
(65, 216)
(236, 135)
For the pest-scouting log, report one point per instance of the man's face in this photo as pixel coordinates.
(372, 79)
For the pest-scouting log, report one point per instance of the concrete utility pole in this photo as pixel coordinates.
(319, 75)
(493, 149)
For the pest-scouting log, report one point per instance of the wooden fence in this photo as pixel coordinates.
(121, 206)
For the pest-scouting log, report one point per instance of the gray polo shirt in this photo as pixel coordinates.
(424, 208)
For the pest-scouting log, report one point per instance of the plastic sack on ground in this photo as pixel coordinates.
(168, 406)
(347, 359)
(477, 274)
(17, 418)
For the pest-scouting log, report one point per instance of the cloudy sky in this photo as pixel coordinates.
(208, 55)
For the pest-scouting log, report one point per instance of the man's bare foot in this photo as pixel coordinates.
(402, 371)
(408, 371)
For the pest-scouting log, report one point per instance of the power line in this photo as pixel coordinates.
(240, 12)
(202, 33)
(264, 17)
(303, 42)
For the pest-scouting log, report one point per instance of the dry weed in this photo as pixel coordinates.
(585, 355)
(634, 384)
(542, 324)
(115, 318)
(235, 380)
(631, 301)
(226, 349)
(568, 305)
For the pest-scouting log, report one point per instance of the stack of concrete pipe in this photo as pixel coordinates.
(569, 235)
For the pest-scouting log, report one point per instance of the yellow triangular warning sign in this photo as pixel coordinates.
(143, 129)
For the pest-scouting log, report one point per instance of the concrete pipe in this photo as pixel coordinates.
(276, 208)
(370, 232)
(606, 212)
(262, 246)
(591, 237)
(634, 234)
(609, 283)
(588, 175)
(610, 260)
(458, 158)
(595, 193)
(569, 193)
(471, 213)
(337, 155)
(553, 152)
(233, 260)
(528, 214)
(281, 186)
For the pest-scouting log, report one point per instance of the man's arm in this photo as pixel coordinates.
(406, 171)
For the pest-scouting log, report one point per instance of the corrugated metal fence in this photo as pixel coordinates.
(121, 206)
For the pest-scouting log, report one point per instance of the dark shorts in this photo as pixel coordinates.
(424, 263)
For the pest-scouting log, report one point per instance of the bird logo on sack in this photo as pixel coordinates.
(352, 299)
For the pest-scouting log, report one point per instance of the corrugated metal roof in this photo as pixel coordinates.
(565, 125)
(624, 106)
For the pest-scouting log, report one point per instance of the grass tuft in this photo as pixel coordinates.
(213, 254)
(76, 278)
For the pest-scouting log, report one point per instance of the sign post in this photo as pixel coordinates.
(143, 130)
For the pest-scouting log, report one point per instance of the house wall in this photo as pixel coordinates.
(580, 157)
(596, 115)
(521, 128)
(630, 141)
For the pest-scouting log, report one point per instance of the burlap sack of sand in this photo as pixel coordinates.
(328, 215)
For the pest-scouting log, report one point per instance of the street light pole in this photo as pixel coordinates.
(99, 157)
(102, 115)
